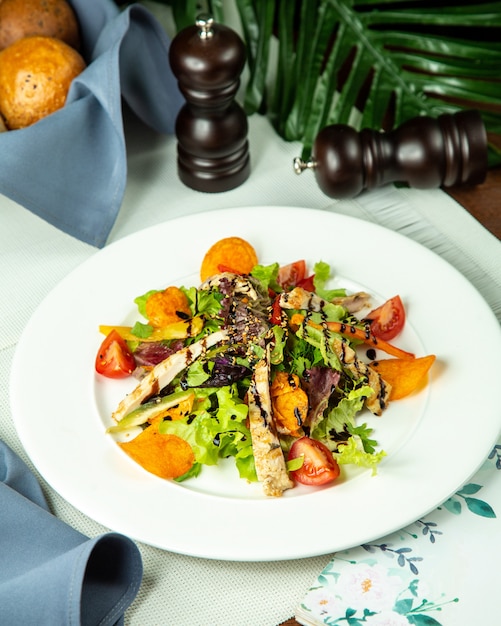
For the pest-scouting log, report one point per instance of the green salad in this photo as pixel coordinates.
(261, 367)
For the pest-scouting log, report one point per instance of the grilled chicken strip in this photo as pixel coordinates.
(163, 373)
(268, 456)
(354, 302)
(246, 305)
(378, 401)
(299, 298)
(240, 284)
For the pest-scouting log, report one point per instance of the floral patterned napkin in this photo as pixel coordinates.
(424, 574)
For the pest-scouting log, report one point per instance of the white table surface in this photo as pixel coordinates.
(182, 590)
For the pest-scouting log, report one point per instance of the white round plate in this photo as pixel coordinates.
(61, 407)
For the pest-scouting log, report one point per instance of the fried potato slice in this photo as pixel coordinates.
(404, 375)
(167, 456)
(231, 254)
(290, 404)
(167, 307)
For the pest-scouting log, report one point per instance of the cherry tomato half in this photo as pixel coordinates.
(114, 359)
(388, 319)
(319, 466)
(294, 275)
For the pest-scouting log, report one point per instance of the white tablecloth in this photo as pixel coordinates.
(177, 589)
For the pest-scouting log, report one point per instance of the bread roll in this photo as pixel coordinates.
(51, 18)
(35, 76)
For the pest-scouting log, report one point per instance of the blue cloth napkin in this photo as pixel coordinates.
(50, 574)
(70, 168)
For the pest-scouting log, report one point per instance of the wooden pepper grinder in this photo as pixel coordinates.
(211, 128)
(423, 152)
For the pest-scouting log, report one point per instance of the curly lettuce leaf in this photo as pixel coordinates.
(319, 340)
(197, 373)
(267, 276)
(352, 452)
(364, 432)
(205, 302)
(321, 275)
(140, 301)
(193, 472)
(341, 415)
(217, 429)
(303, 355)
(142, 331)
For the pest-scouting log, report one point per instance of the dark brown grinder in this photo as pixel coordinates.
(423, 152)
(211, 128)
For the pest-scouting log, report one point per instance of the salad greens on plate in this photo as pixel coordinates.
(261, 363)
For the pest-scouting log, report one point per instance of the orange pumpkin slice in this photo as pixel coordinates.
(231, 254)
(404, 375)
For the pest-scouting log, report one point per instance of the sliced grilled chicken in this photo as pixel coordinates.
(163, 373)
(299, 298)
(236, 284)
(378, 401)
(268, 456)
(355, 302)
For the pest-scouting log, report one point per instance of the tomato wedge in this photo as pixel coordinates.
(114, 359)
(292, 274)
(319, 466)
(388, 319)
(307, 283)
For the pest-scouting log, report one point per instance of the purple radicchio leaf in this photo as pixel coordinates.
(151, 353)
(225, 372)
(319, 383)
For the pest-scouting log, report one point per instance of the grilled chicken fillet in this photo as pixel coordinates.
(299, 298)
(268, 456)
(163, 373)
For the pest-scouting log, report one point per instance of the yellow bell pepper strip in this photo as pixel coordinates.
(176, 330)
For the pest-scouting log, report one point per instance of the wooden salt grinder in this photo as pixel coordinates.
(423, 152)
(211, 128)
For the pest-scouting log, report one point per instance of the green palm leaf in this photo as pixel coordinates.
(376, 64)
(370, 63)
